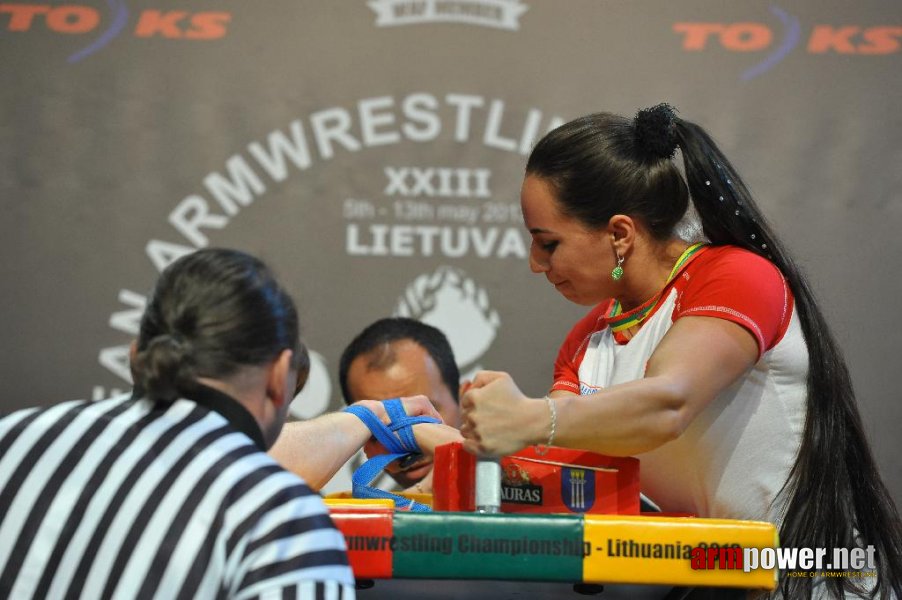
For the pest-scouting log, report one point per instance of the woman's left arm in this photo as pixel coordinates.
(697, 359)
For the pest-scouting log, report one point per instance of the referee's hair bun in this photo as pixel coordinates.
(164, 366)
(656, 131)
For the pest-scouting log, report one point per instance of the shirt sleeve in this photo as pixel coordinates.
(291, 545)
(741, 287)
(570, 355)
(327, 590)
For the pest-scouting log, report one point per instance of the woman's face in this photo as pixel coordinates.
(575, 259)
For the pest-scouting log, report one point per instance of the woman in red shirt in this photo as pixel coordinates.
(705, 354)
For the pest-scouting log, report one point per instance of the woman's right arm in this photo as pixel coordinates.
(697, 359)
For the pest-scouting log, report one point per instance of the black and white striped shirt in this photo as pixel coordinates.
(127, 499)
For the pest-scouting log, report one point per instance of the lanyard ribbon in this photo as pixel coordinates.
(618, 322)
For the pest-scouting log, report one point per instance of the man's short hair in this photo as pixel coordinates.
(381, 334)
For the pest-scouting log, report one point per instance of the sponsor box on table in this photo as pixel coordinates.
(562, 480)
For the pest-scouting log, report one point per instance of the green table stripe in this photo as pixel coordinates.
(474, 546)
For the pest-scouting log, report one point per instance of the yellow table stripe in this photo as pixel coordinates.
(656, 550)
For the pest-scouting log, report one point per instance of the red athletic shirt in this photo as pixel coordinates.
(726, 282)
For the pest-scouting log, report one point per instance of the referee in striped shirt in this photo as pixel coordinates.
(169, 493)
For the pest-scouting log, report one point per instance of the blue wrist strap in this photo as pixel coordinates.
(398, 439)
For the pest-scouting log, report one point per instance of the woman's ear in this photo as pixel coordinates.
(622, 229)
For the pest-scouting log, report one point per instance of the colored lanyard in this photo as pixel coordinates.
(618, 322)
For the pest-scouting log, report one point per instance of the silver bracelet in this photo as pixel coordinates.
(540, 449)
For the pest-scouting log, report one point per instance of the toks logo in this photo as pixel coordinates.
(757, 37)
(72, 19)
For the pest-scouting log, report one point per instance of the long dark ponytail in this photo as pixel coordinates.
(603, 164)
(835, 496)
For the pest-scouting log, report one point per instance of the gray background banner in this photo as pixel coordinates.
(373, 152)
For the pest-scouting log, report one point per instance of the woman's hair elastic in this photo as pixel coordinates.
(656, 131)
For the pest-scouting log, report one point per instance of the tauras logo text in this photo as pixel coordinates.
(521, 494)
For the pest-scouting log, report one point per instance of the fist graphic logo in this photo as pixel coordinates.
(451, 301)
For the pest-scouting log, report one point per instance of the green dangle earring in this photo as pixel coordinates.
(617, 273)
